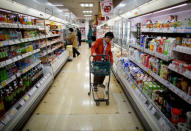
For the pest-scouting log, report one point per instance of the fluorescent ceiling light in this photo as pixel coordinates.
(50, 4)
(90, 5)
(86, 5)
(87, 11)
(58, 5)
(82, 5)
(87, 15)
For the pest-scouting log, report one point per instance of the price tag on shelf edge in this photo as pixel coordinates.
(41, 82)
(4, 83)
(22, 102)
(133, 86)
(153, 110)
(26, 98)
(149, 71)
(13, 111)
(5, 119)
(38, 85)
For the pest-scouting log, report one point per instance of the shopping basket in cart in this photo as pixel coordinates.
(97, 69)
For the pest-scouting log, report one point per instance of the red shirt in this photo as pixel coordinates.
(98, 48)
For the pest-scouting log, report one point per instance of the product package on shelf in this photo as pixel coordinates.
(166, 101)
(20, 65)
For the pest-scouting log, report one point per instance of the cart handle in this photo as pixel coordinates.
(99, 55)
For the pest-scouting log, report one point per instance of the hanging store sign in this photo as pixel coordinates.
(106, 7)
(96, 21)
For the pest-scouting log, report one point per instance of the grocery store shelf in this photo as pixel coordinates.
(166, 83)
(156, 112)
(136, 100)
(153, 117)
(136, 46)
(17, 58)
(54, 35)
(20, 72)
(50, 51)
(50, 43)
(53, 42)
(156, 54)
(165, 30)
(19, 26)
(186, 74)
(19, 113)
(9, 80)
(183, 49)
(18, 41)
(58, 63)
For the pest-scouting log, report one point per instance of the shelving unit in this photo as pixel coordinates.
(183, 49)
(162, 44)
(17, 58)
(150, 115)
(17, 114)
(166, 83)
(156, 54)
(15, 117)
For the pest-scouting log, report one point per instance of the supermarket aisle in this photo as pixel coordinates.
(67, 106)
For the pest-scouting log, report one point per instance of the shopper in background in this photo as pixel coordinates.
(102, 46)
(74, 42)
(79, 34)
(90, 36)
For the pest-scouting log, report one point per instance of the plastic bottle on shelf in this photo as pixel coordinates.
(21, 87)
(2, 107)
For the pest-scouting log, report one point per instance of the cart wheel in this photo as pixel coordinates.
(97, 103)
(88, 93)
(107, 102)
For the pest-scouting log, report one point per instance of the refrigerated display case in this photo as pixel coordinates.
(156, 73)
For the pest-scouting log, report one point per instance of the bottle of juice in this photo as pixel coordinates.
(21, 88)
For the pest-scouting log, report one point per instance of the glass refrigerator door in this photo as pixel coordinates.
(124, 34)
(128, 36)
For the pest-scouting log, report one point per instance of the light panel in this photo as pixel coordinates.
(86, 5)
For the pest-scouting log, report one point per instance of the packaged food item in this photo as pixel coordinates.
(175, 112)
(184, 85)
(164, 72)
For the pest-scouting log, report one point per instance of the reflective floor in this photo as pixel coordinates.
(67, 106)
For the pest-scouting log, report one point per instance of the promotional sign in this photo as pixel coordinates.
(96, 21)
(99, 13)
(106, 7)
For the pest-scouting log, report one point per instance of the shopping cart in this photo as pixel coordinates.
(100, 68)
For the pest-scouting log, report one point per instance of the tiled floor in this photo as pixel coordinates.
(67, 105)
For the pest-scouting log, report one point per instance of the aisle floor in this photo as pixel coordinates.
(67, 106)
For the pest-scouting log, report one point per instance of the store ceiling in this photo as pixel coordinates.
(74, 6)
